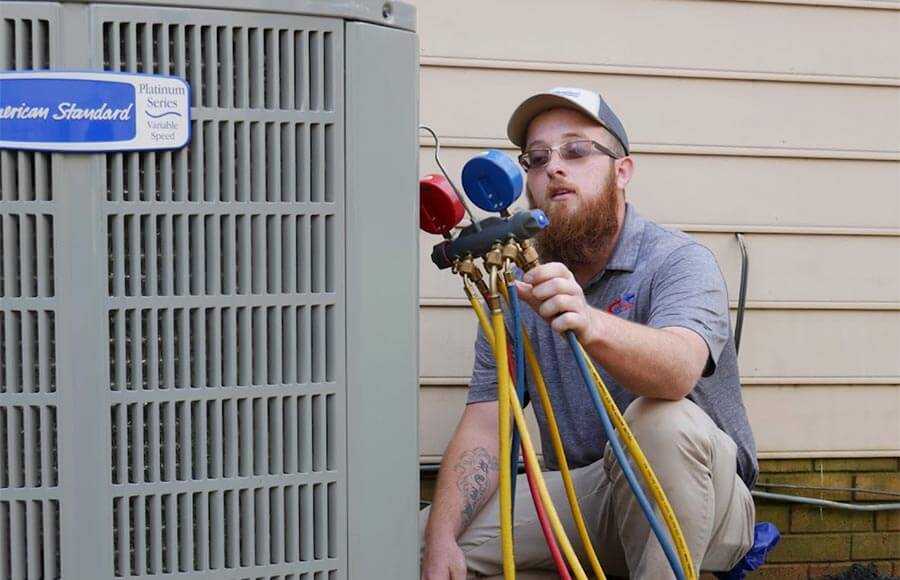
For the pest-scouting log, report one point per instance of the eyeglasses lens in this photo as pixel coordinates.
(575, 150)
(538, 157)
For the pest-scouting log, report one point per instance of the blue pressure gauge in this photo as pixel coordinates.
(492, 180)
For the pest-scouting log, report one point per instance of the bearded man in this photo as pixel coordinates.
(650, 307)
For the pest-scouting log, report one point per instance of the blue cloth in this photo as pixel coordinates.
(765, 537)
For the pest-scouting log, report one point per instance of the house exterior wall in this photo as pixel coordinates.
(779, 120)
(776, 119)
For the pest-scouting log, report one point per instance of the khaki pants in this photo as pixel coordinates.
(694, 461)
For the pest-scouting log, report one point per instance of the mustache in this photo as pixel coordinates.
(577, 237)
(557, 185)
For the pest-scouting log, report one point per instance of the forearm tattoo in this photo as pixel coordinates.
(473, 473)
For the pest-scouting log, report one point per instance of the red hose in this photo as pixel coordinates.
(561, 568)
(545, 527)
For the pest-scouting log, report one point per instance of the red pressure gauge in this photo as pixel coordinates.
(439, 207)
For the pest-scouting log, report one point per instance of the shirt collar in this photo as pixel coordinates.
(625, 254)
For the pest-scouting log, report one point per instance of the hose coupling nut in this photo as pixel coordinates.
(528, 257)
(511, 250)
(494, 257)
(467, 268)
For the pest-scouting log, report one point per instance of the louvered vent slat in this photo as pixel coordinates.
(222, 279)
(29, 461)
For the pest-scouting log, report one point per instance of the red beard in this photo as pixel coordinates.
(578, 237)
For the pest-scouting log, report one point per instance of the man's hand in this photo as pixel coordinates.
(443, 561)
(467, 480)
(552, 291)
(662, 363)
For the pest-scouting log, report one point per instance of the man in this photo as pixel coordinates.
(650, 306)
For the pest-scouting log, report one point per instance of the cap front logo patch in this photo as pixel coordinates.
(573, 93)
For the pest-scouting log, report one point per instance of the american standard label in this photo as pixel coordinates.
(93, 111)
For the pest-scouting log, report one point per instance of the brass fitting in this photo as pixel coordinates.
(508, 274)
(469, 288)
(495, 289)
(528, 256)
(467, 268)
(511, 250)
(494, 257)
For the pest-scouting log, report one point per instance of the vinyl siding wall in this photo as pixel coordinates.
(776, 119)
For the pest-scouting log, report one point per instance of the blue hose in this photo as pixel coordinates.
(623, 461)
(520, 379)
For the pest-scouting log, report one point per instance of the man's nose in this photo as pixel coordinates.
(556, 164)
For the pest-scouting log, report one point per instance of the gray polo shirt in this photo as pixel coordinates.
(658, 277)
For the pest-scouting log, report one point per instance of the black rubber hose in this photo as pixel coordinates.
(742, 296)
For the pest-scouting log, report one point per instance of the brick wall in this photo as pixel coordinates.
(817, 542)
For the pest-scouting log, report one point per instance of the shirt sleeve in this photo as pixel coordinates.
(483, 386)
(688, 291)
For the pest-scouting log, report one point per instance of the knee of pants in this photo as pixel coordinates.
(668, 425)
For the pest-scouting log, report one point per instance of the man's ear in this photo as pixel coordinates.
(624, 171)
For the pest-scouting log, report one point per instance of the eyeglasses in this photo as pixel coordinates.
(540, 156)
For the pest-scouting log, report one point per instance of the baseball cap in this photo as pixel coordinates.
(581, 100)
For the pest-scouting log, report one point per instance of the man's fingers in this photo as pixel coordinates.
(554, 287)
(450, 565)
(567, 321)
(526, 293)
(444, 571)
(457, 574)
(458, 566)
(547, 271)
(559, 304)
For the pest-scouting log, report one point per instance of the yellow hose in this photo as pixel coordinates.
(527, 446)
(505, 430)
(561, 458)
(557, 446)
(532, 464)
(482, 319)
(684, 554)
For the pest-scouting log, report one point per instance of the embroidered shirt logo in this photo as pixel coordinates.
(623, 304)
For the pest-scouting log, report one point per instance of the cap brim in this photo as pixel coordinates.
(517, 128)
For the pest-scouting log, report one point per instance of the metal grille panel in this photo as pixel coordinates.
(232, 160)
(224, 528)
(173, 253)
(25, 176)
(28, 447)
(27, 351)
(29, 538)
(263, 66)
(26, 244)
(189, 388)
(25, 46)
(29, 457)
(224, 302)
(189, 348)
(222, 438)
